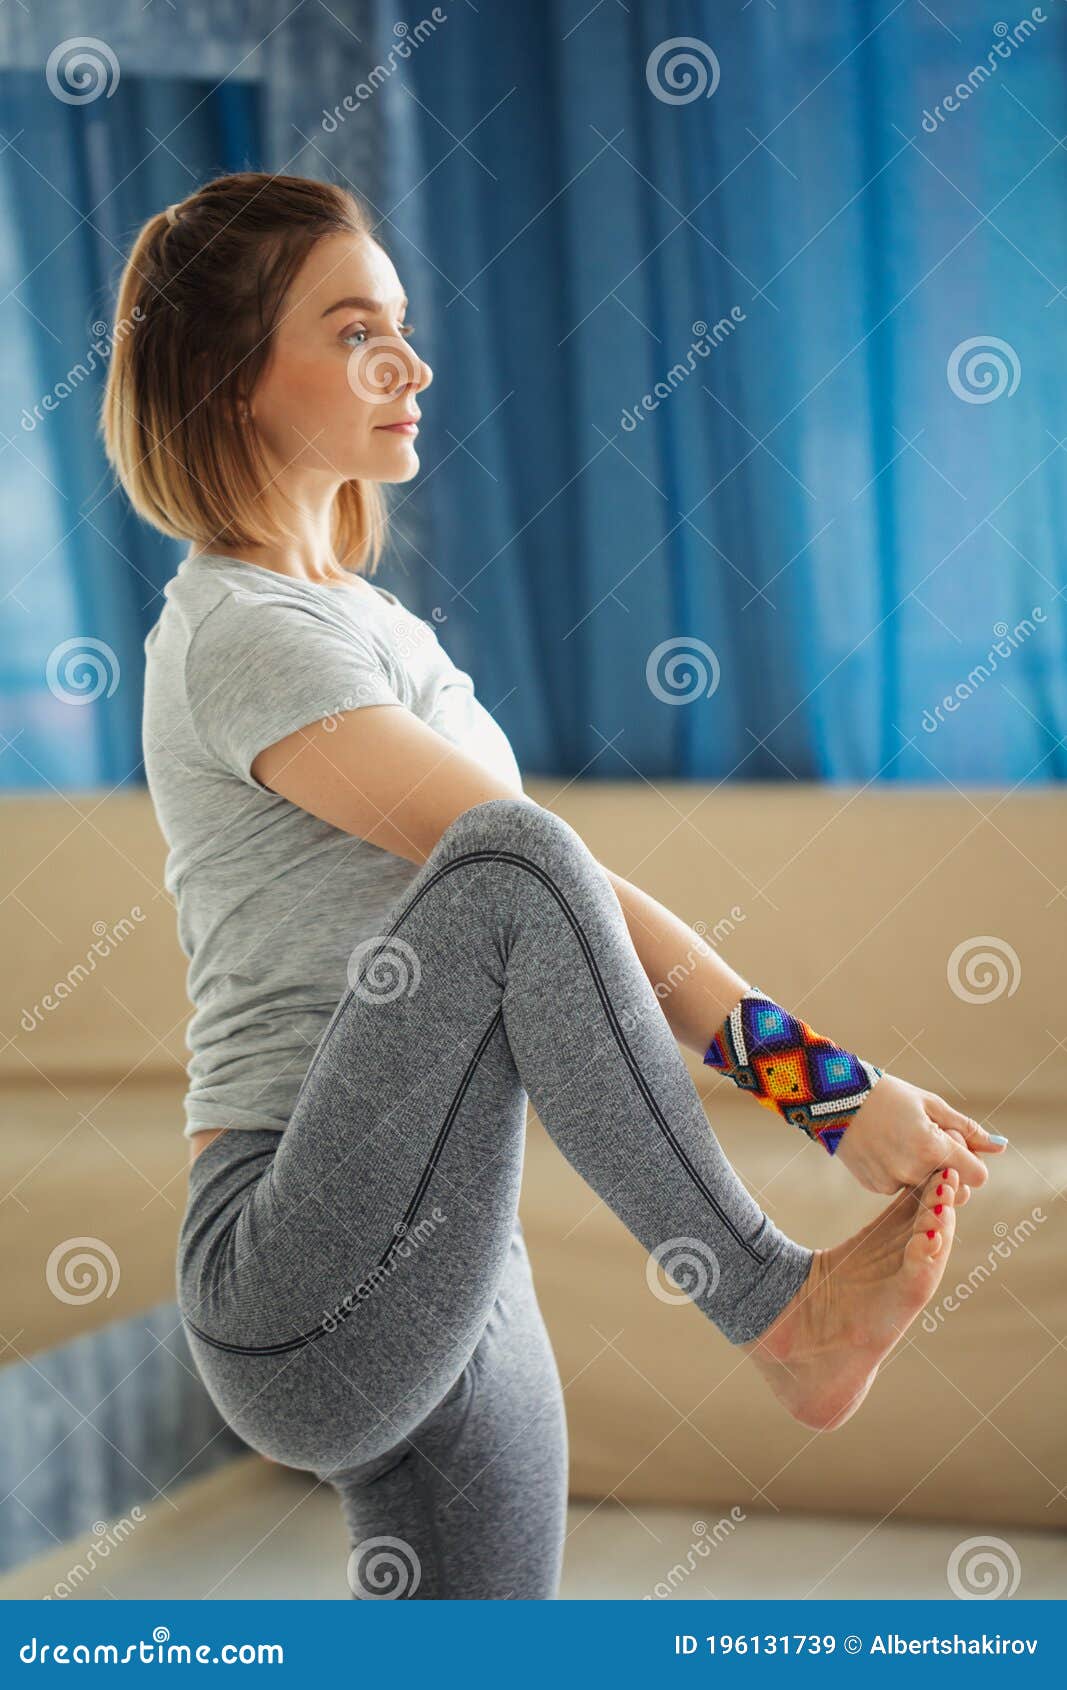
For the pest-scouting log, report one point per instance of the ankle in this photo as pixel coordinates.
(795, 1334)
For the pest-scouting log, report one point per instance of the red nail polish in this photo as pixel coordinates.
(944, 1173)
(938, 1208)
(931, 1235)
(940, 1189)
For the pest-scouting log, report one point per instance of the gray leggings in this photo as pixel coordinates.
(356, 1290)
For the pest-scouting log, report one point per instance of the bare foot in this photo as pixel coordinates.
(821, 1354)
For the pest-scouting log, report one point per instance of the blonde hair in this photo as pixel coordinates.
(204, 285)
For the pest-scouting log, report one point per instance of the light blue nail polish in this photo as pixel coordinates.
(996, 1138)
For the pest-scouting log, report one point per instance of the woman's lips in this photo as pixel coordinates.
(399, 428)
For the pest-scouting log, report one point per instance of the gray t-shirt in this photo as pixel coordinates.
(271, 900)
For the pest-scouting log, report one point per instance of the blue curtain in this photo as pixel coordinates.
(814, 504)
(82, 576)
(742, 458)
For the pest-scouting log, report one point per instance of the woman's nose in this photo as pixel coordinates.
(417, 376)
(406, 369)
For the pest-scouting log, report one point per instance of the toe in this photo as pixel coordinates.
(935, 1223)
(940, 1190)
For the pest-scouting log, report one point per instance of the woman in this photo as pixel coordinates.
(391, 948)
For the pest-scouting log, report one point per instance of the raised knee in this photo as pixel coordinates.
(517, 824)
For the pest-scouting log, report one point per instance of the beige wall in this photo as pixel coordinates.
(847, 906)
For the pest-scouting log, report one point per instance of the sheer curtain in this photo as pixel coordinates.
(182, 95)
(742, 458)
(821, 513)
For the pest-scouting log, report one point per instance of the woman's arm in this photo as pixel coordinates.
(381, 774)
(695, 987)
(900, 1132)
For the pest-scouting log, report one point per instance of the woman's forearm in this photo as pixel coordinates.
(899, 1133)
(695, 987)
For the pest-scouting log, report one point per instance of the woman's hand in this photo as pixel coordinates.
(901, 1133)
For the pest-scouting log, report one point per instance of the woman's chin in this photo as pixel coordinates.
(401, 473)
(398, 461)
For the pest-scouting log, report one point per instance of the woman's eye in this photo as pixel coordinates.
(403, 328)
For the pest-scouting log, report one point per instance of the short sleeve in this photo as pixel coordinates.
(259, 668)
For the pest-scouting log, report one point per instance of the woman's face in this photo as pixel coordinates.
(342, 373)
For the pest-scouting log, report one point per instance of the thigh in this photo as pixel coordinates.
(333, 1292)
(473, 1505)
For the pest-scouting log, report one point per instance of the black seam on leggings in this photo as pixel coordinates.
(400, 1229)
(620, 1037)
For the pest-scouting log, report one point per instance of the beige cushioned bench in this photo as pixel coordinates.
(846, 906)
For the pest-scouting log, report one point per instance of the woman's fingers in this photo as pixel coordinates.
(954, 1153)
(972, 1133)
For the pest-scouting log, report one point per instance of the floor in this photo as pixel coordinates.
(252, 1532)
